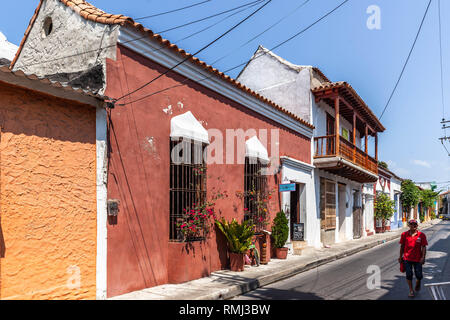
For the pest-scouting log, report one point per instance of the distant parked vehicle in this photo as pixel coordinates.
(444, 216)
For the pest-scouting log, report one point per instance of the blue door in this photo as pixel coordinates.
(394, 223)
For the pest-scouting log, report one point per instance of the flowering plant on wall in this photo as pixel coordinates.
(198, 220)
(256, 207)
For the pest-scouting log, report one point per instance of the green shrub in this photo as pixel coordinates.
(384, 206)
(280, 229)
(239, 236)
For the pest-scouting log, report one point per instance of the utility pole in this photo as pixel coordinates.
(445, 138)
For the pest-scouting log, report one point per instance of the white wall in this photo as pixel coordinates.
(102, 177)
(7, 49)
(280, 81)
(71, 35)
(299, 172)
(350, 186)
(368, 212)
(319, 114)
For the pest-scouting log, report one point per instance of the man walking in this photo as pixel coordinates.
(412, 254)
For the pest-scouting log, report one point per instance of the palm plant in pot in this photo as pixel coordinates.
(280, 233)
(239, 237)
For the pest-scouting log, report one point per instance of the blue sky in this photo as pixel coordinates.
(341, 46)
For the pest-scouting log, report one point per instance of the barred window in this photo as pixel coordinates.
(187, 183)
(255, 190)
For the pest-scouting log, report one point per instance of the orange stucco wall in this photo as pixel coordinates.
(48, 197)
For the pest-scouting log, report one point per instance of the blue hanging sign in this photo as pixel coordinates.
(289, 187)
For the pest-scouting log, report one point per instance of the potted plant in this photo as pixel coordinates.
(280, 233)
(384, 209)
(239, 237)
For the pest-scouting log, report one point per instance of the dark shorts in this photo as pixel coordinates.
(416, 266)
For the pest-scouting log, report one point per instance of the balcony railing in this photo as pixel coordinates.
(326, 147)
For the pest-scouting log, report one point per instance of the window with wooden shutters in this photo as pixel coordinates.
(255, 190)
(327, 204)
(187, 182)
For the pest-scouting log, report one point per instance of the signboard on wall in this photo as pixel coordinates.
(288, 187)
(299, 232)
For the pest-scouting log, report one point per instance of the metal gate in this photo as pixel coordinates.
(357, 223)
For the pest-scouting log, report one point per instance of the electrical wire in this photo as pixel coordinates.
(407, 59)
(209, 17)
(242, 64)
(171, 11)
(261, 33)
(213, 25)
(189, 57)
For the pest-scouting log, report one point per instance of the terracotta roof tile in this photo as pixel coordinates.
(90, 12)
(343, 84)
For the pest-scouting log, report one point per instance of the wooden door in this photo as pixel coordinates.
(330, 131)
(327, 204)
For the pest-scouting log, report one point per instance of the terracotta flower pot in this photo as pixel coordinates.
(281, 253)
(236, 261)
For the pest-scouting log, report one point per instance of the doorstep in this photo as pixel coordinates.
(226, 284)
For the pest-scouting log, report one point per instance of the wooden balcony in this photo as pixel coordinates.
(349, 161)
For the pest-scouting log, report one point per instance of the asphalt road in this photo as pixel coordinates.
(355, 277)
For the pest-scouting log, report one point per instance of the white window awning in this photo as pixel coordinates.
(255, 149)
(186, 126)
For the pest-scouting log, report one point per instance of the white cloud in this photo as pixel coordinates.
(401, 172)
(421, 163)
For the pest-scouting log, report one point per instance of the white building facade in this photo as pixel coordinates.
(334, 208)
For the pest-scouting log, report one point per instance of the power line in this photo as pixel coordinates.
(261, 33)
(171, 11)
(244, 63)
(407, 60)
(249, 5)
(189, 57)
(440, 51)
(209, 17)
(213, 25)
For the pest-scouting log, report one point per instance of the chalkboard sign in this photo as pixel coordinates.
(299, 232)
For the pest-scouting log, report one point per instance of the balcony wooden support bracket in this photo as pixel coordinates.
(332, 94)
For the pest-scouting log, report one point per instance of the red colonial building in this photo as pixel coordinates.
(226, 131)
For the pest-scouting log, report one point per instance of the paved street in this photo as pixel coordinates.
(347, 279)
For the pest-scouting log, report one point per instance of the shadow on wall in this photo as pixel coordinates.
(222, 246)
(2, 254)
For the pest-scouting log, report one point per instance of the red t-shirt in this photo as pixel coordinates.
(413, 245)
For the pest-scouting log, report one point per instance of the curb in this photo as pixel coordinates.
(264, 280)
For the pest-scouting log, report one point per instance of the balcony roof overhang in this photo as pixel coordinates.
(346, 169)
(351, 101)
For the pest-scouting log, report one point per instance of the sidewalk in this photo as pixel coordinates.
(226, 284)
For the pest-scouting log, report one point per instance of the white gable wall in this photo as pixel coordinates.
(280, 83)
(7, 49)
(71, 36)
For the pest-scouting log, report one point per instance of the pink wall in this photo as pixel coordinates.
(139, 252)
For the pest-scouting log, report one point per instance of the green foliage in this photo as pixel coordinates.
(280, 229)
(410, 195)
(428, 198)
(239, 236)
(384, 206)
(383, 164)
